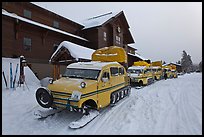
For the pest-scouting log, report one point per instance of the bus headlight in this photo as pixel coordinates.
(83, 84)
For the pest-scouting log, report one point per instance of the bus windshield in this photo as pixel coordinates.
(81, 73)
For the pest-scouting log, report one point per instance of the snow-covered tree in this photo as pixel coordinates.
(200, 66)
(186, 62)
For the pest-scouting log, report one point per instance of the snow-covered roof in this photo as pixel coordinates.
(13, 15)
(155, 67)
(137, 67)
(171, 63)
(98, 20)
(132, 46)
(137, 55)
(76, 51)
(175, 63)
(96, 65)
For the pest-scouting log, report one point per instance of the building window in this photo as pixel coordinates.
(27, 13)
(104, 36)
(27, 44)
(117, 39)
(118, 29)
(55, 46)
(55, 24)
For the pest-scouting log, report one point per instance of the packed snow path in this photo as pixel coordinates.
(172, 106)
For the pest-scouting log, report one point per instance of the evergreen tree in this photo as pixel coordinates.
(200, 66)
(190, 64)
(186, 62)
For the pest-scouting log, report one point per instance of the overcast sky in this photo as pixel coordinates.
(161, 30)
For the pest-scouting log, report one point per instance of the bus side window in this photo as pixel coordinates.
(114, 71)
(121, 71)
(105, 77)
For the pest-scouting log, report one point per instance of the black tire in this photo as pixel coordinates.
(44, 97)
(113, 98)
(122, 94)
(126, 92)
(165, 76)
(140, 83)
(117, 95)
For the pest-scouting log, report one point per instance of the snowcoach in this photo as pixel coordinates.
(89, 85)
(173, 71)
(156, 70)
(167, 70)
(140, 73)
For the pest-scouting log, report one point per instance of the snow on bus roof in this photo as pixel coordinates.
(13, 15)
(137, 67)
(155, 67)
(96, 65)
(76, 51)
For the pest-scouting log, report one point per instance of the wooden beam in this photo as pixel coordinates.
(44, 35)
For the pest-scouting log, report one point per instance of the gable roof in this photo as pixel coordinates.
(138, 56)
(99, 20)
(171, 63)
(76, 51)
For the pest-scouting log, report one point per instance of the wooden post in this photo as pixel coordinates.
(54, 75)
(58, 71)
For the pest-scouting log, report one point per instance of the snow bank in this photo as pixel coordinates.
(30, 78)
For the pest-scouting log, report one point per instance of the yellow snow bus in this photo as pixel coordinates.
(167, 69)
(156, 70)
(140, 73)
(173, 71)
(89, 85)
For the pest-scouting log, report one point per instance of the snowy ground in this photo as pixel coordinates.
(172, 106)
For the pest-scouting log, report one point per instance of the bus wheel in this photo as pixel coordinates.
(118, 96)
(140, 83)
(113, 98)
(122, 93)
(126, 92)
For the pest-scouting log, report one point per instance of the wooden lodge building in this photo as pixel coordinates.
(36, 33)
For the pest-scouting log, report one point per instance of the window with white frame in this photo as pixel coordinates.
(104, 36)
(118, 39)
(55, 24)
(27, 43)
(27, 13)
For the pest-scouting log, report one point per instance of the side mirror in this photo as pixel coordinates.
(105, 80)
